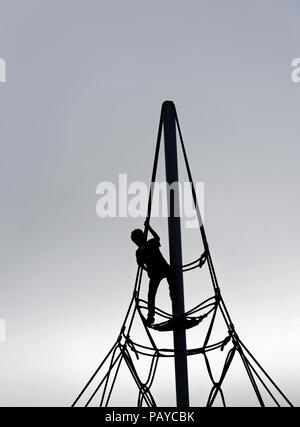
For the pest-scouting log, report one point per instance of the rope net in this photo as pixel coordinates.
(101, 384)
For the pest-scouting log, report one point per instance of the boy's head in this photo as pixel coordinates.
(138, 237)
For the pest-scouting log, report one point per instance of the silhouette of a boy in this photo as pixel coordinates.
(150, 258)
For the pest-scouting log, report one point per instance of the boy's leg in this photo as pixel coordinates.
(153, 285)
(170, 279)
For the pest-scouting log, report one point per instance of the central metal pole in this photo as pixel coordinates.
(181, 372)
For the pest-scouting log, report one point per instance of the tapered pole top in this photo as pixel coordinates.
(168, 103)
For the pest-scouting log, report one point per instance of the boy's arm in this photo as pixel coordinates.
(154, 234)
(140, 263)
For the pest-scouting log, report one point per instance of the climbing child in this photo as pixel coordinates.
(150, 258)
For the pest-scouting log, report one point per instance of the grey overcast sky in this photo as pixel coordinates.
(85, 83)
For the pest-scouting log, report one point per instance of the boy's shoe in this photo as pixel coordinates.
(150, 320)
